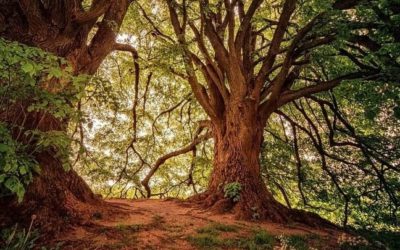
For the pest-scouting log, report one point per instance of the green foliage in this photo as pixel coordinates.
(381, 239)
(294, 242)
(368, 107)
(29, 86)
(232, 191)
(106, 129)
(208, 238)
(16, 166)
(107, 123)
(16, 239)
(263, 239)
(205, 241)
(259, 240)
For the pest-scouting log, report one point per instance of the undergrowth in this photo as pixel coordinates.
(209, 238)
(18, 239)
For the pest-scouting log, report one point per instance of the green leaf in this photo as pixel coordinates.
(55, 72)
(23, 169)
(2, 178)
(28, 68)
(66, 166)
(4, 148)
(15, 186)
(36, 168)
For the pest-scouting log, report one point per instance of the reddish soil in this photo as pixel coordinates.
(167, 224)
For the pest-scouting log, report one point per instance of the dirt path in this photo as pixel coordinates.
(168, 224)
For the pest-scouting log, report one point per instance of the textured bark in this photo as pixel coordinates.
(237, 144)
(61, 27)
(54, 196)
(237, 141)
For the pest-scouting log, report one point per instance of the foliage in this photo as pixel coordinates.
(295, 242)
(16, 239)
(301, 161)
(27, 77)
(364, 194)
(381, 239)
(232, 191)
(370, 106)
(17, 167)
(205, 241)
(208, 238)
(107, 132)
(262, 240)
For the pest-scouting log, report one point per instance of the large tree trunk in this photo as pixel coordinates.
(237, 144)
(56, 196)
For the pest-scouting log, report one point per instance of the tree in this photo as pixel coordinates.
(244, 70)
(84, 35)
(243, 67)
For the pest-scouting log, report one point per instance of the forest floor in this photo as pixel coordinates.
(171, 224)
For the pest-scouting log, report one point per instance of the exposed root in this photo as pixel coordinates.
(56, 199)
(264, 209)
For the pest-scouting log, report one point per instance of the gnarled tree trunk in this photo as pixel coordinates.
(58, 197)
(237, 145)
(55, 196)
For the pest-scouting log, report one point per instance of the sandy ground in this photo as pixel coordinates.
(167, 224)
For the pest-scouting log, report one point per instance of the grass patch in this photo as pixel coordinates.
(260, 240)
(16, 239)
(297, 242)
(216, 228)
(205, 241)
(208, 238)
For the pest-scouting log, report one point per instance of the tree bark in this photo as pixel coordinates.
(237, 141)
(57, 197)
(237, 145)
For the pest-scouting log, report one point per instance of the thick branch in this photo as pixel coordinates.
(162, 159)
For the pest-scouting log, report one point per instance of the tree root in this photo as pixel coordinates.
(266, 209)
